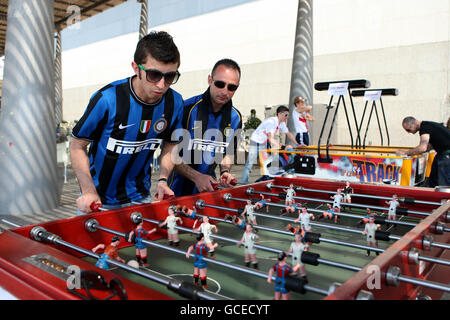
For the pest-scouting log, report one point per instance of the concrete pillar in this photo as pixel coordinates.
(58, 79)
(143, 23)
(28, 172)
(302, 65)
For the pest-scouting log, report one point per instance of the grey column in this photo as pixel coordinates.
(302, 64)
(143, 23)
(58, 79)
(28, 173)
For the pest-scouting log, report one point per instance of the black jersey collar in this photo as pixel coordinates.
(140, 100)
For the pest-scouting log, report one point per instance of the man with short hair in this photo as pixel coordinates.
(264, 137)
(213, 126)
(435, 136)
(124, 123)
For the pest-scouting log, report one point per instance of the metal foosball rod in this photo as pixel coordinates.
(406, 200)
(399, 210)
(136, 216)
(299, 285)
(183, 288)
(427, 241)
(383, 236)
(314, 259)
(201, 205)
(440, 226)
(378, 220)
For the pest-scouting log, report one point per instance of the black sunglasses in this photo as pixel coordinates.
(92, 280)
(154, 75)
(220, 84)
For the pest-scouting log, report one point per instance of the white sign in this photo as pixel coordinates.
(337, 89)
(372, 95)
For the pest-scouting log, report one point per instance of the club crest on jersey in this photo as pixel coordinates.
(160, 125)
(228, 131)
(145, 126)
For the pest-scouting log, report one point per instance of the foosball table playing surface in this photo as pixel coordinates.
(408, 259)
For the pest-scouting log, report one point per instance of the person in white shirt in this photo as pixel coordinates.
(206, 228)
(301, 115)
(248, 240)
(297, 248)
(305, 219)
(337, 198)
(392, 213)
(370, 230)
(264, 137)
(290, 193)
(171, 222)
(249, 210)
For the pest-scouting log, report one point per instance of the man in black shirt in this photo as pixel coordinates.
(435, 136)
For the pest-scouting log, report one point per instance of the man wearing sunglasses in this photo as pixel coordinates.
(264, 137)
(435, 136)
(124, 123)
(212, 125)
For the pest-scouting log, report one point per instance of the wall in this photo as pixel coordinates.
(402, 44)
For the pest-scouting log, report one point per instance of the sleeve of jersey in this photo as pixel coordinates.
(95, 117)
(174, 134)
(284, 128)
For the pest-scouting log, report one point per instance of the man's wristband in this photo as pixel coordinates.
(162, 180)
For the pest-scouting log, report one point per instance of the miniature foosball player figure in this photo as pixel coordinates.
(392, 212)
(184, 211)
(366, 218)
(330, 213)
(200, 266)
(296, 249)
(136, 236)
(305, 218)
(281, 270)
(337, 198)
(347, 194)
(249, 211)
(294, 230)
(290, 193)
(206, 229)
(370, 230)
(110, 252)
(248, 240)
(262, 203)
(238, 222)
(171, 222)
(291, 208)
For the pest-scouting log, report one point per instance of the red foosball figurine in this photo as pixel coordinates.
(200, 266)
(330, 213)
(136, 236)
(281, 270)
(110, 252)
(262, 203)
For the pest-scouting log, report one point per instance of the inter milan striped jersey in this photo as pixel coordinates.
(212, 135)
(125, 132)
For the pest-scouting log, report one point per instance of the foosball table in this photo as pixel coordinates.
(410, 260)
